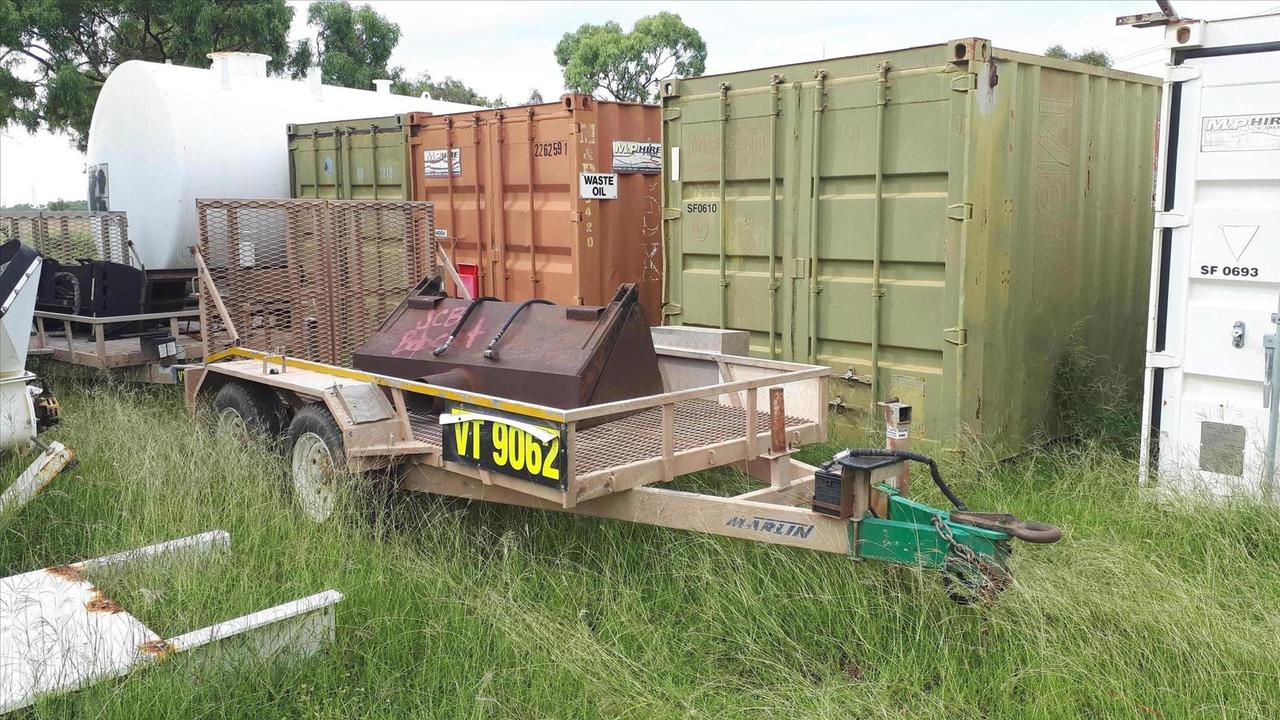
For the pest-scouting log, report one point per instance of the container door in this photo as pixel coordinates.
(872, 282)
(449, 166)
(726, 206)
(1220, 273)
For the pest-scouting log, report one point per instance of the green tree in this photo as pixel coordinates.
(450, 90)
(535, 97)
(1092, 56)
(56, 54)
(61, 204)
(627, 66)
(352, 47)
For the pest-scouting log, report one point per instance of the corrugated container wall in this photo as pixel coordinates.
(946, 223)
(361, 159)
(508, 197)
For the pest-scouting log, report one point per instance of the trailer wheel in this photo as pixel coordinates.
(248, 410)
(317, 461)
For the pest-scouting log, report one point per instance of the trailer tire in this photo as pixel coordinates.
(248, 410)
(317, 461)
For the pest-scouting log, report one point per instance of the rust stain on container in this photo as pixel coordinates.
(506, 185)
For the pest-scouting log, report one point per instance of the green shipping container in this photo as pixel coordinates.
(361, 159)
(940, 224)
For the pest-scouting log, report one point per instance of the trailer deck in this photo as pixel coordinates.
(57, 336)
(703, 421)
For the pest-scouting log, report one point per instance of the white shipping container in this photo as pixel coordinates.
(1210, 412)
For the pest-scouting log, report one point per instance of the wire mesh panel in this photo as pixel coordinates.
(68, 236)
(311, 278)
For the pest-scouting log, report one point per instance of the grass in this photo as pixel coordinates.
(453, 610)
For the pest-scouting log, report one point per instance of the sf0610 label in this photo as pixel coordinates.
(694, 208)
(1228, 271)
(514, 446)
(550, 149)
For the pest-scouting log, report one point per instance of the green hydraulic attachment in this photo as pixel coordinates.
(971, 549)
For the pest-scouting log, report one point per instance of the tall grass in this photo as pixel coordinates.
(458, 610)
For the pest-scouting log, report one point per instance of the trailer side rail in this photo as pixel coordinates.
(658, 438)
(97, 350)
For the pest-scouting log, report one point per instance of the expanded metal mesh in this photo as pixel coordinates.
(68, 236)
(311, 278)
(636, 438)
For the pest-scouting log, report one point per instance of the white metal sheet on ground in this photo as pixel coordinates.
(52, 640)
(1216, 269)
(58, 632)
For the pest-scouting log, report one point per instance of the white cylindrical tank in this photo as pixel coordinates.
(164, 135)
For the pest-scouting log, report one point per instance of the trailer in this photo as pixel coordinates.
(86, 341)
(668, 411)
(101, 318)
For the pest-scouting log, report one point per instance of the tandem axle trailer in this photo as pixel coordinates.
(717, 411)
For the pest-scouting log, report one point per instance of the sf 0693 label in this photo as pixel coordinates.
(508, 444)
(693, 208)
(1228, 271)
(550, 149)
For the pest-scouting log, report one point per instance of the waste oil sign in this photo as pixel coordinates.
(598, 186)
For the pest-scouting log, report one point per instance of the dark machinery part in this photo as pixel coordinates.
(47, 410)
(914, 457)
(95, 288)
(558, 356)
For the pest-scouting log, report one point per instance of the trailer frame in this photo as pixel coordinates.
(98, 351)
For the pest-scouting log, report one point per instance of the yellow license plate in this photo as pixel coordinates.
(514, 446)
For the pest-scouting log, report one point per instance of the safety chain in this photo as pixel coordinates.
(996, 578)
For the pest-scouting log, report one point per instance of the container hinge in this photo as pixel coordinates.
(1180, 73)
(575, 217)
(575, 128)
(670, 213)
(671, 114)
(800, 268)
(1162, 360)
(964, 82)
(960, 211)
(672, 309)
(1171, 220)
(956, 336)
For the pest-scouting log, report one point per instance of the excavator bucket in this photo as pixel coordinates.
(560, 356)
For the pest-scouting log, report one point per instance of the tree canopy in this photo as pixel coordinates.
(449, 89)
(1092, 56)
(352, 47)
(627, 66)
(55, 55)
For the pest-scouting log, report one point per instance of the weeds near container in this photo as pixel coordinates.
(466, 610)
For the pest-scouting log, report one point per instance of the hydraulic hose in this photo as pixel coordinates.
(915, 457)
(457, 328)
(490, 350)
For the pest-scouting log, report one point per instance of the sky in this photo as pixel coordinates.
(505, 48)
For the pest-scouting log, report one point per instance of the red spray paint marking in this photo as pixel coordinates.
(431, 331)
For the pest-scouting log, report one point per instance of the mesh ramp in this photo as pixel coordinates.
(69, 236)
(311, 278)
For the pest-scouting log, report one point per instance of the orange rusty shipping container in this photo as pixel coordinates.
(560, 201)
